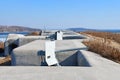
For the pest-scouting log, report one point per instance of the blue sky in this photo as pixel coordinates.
(53, 14)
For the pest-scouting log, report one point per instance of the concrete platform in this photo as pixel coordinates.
(19, 40)
(77, 63)
(94, 60)
(101, 69)
(59, 73)
(32, 54)
(61, 45)
(72, 37)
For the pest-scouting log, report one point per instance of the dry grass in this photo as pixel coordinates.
(5, 61)
(1, 47)
(104, 43)
(104, 50)
(36, 33)
(105, 35)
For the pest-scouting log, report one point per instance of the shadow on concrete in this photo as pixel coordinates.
(41, 54)
(82, 60)
(70, 61)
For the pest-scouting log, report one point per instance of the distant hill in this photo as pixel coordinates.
(16, 29)
(79, 29)
(85, 29)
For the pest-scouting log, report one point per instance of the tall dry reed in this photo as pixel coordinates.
(104, 50)
(105, 35)
(1, 47)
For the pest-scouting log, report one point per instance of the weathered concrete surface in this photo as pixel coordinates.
(66, 45)
(66, 34)
(70, 37)
(11, 40)
(19, 40)
(14, 36)
(60, 73)
(27, 39)
(8, 46)
(101, 69)
(60, 45)
(87, 58)
(33, 53)
(67, 58)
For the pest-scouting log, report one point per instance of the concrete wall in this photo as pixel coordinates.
(28, 39)
(22, 58)
(67, 58)
(66, 37)
(82, 60)
(73, 58)
(19, 41)
(30, 49)
(91, 59)
(30, 54)
(9, 46)
(11, 42)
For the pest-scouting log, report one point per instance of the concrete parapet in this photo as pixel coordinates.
(71, 37)
(11, 42)
(67, 58)
(27, 39)
(59, 73)
(87, 58)
(14, 36)
(14, 41)
(33, 52)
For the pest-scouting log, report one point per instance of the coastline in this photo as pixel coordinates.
(3, 35)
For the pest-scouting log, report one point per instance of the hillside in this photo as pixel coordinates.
(16, 29)
(79, 29)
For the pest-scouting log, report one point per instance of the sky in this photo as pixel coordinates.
(61, 14)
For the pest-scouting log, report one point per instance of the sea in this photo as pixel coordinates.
(3, 35)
